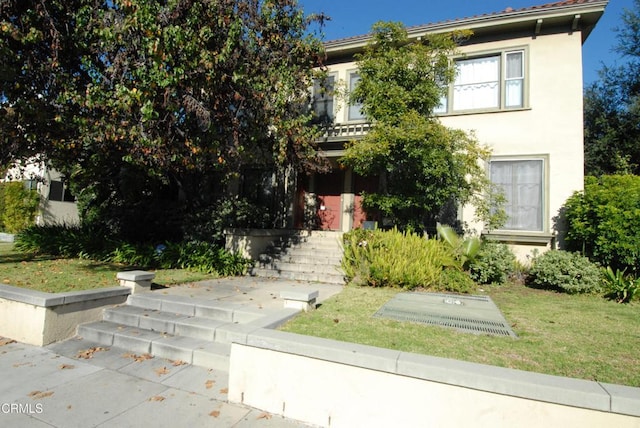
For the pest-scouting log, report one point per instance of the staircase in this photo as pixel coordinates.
(180, 328)
(306, 256)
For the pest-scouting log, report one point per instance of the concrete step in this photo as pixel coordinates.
(281, 266)
(327, 278)
(303, 259)
(189, 306)
(190, 350)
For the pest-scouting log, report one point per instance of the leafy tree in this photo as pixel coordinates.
(612, 107)
(156, 104)
(422, 165)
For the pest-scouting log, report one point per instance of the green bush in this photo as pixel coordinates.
(619, 286)
(564, 271)
(18, 206)
(493, 265)
(394, 259)
(603, 222)
(91, 242)
(457, 281)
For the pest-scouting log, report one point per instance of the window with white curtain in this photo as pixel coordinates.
(493, 81)
(355, 110)
(522, 182)
(323, 94)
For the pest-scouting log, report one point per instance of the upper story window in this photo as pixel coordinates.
(489, 82)
(355, 110)
(323, 99)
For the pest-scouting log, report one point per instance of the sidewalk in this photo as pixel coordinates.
(58, 386)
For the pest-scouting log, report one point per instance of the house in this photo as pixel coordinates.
(57, 203)
(518, 87)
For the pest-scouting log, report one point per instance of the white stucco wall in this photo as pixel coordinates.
(549, 126)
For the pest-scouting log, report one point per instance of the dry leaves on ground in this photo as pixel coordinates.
(224, 390)
(161, 371)
(215, 413)
(209, 384)
(6, 341)
(264, 415)
(66, 366)
(177, 363)
(157, 398)
(88, 353)
(137, 358)
(36, 395)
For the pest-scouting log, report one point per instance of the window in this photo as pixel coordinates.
(59, 192)
(522, 182)
(488, 82)
(323, 91)
(355, 110)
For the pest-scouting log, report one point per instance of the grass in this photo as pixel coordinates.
(578, 336)
(59, 275)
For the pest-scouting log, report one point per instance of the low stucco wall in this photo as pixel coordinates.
(337, 384)
(251, 243)
(39, 318)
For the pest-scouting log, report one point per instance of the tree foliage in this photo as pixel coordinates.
(132, 99)
(612, 107)
(422, 164)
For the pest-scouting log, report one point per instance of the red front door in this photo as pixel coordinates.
(329, 199)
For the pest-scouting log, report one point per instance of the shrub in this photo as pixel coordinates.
(493, 265)
(457, 281)
(619, 286)
(564, 271)
(394, 259)
(603, 222)
(89, 241)
(19, 206)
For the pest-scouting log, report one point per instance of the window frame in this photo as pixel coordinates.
(502, 82)
(544, 188)
(326, 118)
(362, 117)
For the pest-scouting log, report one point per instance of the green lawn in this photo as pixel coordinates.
(579, 336)
(60, 275)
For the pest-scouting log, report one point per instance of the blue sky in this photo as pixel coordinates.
(355, 17)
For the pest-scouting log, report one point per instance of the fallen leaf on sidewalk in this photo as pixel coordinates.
(23, 364)
(6, 341)
(177, 363)
(88, 353)
(161, 371)
(66, 366)
(137, 358)
(209, 384)
(224, 390)
(264, 415)
(36, 395)
(215, 413)
(157, 398)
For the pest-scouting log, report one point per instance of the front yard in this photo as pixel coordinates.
(54, 275)
(579, 336)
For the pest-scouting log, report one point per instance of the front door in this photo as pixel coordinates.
(329, 199)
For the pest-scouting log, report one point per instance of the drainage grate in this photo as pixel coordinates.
(470, 314)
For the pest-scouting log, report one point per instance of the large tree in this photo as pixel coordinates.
(134, 98)
(612, 107)
(422, 165)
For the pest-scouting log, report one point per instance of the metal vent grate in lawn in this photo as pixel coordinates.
(469, 314)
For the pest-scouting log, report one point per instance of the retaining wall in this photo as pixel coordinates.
(39, 318)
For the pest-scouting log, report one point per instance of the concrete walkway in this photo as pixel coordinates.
(77, 383)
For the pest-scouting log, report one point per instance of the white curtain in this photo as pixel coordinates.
(514, 80)
(477, 84)
(522, 184)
